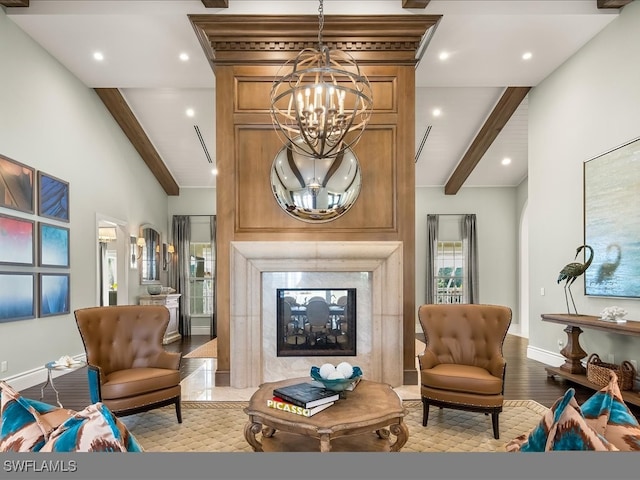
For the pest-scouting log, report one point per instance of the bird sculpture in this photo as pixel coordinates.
(572, 271)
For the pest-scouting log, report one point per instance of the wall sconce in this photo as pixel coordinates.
(140, 243)
(169, 251)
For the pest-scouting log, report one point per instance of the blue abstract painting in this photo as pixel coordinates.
(17, 296)
(54, 246)
(53, 200)
(54, 294)
(612, 222)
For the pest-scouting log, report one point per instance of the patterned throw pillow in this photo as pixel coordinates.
(561, 428)
(606, 412)
(94, 429)
(25, 425)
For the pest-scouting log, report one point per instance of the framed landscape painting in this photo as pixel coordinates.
(612, 222)
(53, 246)
(16, 241)
(54, 294)
(53, 197)
(16, 185)
(17, 296)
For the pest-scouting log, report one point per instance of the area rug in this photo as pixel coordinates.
(207, 350)
(219, 427)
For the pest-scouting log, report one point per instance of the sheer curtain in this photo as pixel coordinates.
(470, 248)
(212, 226)
(432, 252)
(181, 228)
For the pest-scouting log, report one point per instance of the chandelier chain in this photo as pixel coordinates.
(320, 24)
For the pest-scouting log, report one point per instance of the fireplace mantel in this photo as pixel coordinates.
(250, 259)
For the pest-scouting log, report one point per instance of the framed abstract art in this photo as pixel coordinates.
(53, 197)
(53, 246)
(16, 185)
(17, 296)
(54, 294)
(16, 241)
(612, 221)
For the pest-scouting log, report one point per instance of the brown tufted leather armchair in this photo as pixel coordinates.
(129, 370)
(462, 366)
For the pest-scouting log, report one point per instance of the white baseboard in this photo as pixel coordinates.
(200, 330)
(36, 376)
(550, 358)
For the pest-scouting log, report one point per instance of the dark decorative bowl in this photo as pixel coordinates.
(154, 289)
(338, 384)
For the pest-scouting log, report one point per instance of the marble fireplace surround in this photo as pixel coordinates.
(249, 260)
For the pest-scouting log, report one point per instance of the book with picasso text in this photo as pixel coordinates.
(305, 395)
(280, 404)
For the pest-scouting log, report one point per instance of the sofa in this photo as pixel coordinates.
(28, 425)
(602, 423)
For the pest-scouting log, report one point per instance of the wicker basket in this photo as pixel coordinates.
(598, 372)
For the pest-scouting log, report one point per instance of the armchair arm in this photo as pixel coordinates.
(169, 360)
(96, 379)
(497, 366)
(427, 359)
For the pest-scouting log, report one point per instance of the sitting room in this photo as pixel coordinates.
(195, 196)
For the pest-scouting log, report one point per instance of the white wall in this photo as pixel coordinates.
(497, 223)
(50, 121)
(588, 106)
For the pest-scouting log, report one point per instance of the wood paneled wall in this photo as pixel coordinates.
(246, 53)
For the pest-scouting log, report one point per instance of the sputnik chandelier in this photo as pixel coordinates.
(320, 101)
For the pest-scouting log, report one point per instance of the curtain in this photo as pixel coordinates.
(432, 251)
(181, 228)
(470, 249)
(212, 226)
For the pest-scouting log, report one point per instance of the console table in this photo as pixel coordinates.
(170, 301)
(573, 353)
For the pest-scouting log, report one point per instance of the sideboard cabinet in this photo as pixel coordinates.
(170, 301)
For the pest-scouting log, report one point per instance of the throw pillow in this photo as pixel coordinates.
(561, 428)
(606, 412)
(94, 429)
(25, 425)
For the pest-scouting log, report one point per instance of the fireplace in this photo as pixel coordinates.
(258, 269)
(316, 321)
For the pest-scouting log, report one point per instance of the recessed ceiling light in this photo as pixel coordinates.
(98, 56)
(190, 112)
(506, 161)
(527, 55)
(443, 55)
(436, 112)
(184, 56)
(214, 171)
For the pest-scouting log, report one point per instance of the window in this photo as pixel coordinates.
(201, 278)
(449, 278)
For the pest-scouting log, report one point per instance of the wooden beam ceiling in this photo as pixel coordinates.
(216, 3)
(415, 3)
(613, 3)
(506, 106)
(14, 3)
(118, 107)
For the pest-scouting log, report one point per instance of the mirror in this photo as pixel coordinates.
(149, 254)
(315, 190)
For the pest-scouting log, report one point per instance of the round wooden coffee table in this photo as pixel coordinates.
(366, 420)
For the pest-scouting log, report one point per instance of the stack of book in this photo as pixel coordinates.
(302, 399)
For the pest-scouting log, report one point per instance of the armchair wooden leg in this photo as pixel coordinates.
(494, 421)
(425, 412)
(178, 410)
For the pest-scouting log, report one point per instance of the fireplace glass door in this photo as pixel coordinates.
(316, 321)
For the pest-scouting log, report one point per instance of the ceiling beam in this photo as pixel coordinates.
(506, 106)
(415, 3)
(14, 3)
(613, 3)
(119, 108)
(216, 3)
